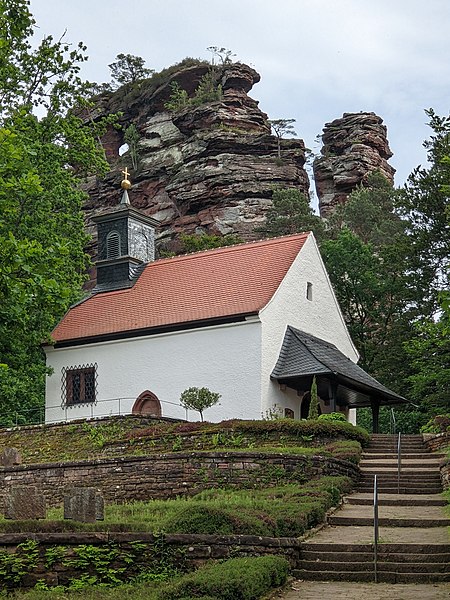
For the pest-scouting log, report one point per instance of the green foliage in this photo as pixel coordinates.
(127, 69)
(204, 519)
(334, 416)
(437, 424)
(313, 411)
(87, 565)
(234, 579)
(373, 293)
(291, 213)
(282, 127)
(429, 352)
(208, 90)
(42, 261)
(424, 203)
(179, 98)
(408, 419)
(14, 566)
(223, 54)
(131, 137)
(199, 399)
(196, 243)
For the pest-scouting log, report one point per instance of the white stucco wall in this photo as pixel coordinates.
(225, 359)
(320, 316)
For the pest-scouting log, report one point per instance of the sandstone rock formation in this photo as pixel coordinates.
(353, 147)
(209, 168)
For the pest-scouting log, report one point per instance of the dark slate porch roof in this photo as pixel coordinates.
(302, 356)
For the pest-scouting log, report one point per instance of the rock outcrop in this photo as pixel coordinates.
(353, 147)
(209, 168)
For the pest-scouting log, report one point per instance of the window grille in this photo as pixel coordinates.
(79, 385)
(113, 245)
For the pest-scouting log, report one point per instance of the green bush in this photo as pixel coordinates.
(437, 424)
(234, 579)
(203, 519)
(334, 417)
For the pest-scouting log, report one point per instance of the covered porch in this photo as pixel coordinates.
(341, 384)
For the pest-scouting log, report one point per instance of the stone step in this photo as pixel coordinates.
(406, 465)
(403, 489)
(399, 500)
(405, 476)
(428, 456)
(388, 468)
(362, 521)
(393, 438)
(383, 557)
(397, 567)
(393, 452)
(383, 548)
(407, 448)
(362, 576)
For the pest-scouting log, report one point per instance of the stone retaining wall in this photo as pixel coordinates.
(57, 552)
(436, 441)
(445, 474)
(165, 476)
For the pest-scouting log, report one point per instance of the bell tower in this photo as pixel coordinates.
(126, 242)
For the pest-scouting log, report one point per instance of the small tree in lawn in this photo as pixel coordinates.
(199, 399)
(282, 127)
(313, 412)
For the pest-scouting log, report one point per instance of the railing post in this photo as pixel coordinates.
(399, 461)
(375, 529)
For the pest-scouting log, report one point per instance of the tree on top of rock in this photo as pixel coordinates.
(128, 69)
(223, 54)
(282, 127)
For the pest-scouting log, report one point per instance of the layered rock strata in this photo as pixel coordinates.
(353, 147)
(208, 168)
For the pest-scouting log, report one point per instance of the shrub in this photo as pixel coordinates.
(234, 579)
(313, 412)
(199, 399)
(334, 417)
(437, 424)
(345, 450)
(203, 519)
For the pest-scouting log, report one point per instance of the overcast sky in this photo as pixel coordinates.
(317, 58)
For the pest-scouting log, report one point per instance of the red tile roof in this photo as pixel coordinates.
(235, 280)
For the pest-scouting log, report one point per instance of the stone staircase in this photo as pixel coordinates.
(414, 545)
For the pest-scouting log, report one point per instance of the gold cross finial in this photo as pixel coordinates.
(126, 183)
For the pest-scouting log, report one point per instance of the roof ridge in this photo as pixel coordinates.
(231, 247)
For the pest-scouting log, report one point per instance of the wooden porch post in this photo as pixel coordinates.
(375, 406)
(332, 393)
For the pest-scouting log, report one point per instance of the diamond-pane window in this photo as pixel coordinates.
(79, 385)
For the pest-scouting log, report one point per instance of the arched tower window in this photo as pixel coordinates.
(113, 244)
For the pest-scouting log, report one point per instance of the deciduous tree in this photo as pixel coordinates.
(198, 399)
(42, 260)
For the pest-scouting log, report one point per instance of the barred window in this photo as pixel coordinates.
(79, 385)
